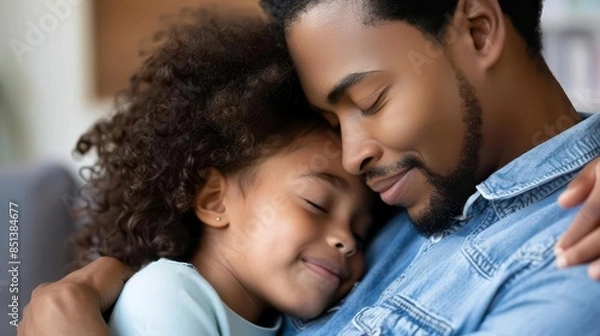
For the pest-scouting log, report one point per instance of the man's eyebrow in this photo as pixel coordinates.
(333, 180)
(339, 90)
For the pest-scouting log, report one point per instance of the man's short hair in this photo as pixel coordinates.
(429, 16)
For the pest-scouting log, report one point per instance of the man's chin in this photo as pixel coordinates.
(416, 214)
(430, 218)
(416, 209)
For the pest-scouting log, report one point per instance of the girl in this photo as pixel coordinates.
(213, 167)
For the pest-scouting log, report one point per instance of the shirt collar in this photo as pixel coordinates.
(563, 154)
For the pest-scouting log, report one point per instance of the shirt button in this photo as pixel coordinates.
(375, 332)
(436, 238)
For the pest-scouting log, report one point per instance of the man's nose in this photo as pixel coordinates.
(359, 151)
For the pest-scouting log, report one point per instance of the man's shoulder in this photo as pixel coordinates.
(524, 236)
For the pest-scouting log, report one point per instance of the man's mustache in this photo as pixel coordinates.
(404, 164)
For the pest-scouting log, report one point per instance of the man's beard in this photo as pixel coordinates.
(450, 191)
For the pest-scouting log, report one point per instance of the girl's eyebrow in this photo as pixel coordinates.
(331, 179)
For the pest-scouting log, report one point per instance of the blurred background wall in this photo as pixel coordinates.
(45, 86)
(50, 90)
(56, 76)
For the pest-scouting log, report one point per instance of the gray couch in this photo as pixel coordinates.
(43, 193)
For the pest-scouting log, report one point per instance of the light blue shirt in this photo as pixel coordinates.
(493, 272)
(171, 298)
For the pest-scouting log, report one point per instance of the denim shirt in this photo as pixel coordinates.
(492, 272)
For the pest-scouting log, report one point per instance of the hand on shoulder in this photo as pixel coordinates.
(75, 302)
(581, 242)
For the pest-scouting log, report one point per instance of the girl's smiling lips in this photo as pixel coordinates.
(329, 270)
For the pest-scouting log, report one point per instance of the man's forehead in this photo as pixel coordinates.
(328, 11)
(320, 42)
(326, 52)
(326, 21)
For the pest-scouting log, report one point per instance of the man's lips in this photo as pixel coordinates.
(383, 184)
(329, 270)
(395, 190)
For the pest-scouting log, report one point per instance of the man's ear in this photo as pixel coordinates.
(208, 201)
(482, 22)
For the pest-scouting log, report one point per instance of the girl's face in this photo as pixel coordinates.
(296, 230)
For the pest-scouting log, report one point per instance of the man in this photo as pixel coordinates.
(440, 104)
(442, 107)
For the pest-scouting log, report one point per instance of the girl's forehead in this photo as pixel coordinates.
(317, 150)
(315, 154)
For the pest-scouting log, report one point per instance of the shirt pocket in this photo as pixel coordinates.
(399, 316)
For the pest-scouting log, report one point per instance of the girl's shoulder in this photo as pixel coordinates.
(172, 278)
(164, 264)
(165, 275)
(169, 296)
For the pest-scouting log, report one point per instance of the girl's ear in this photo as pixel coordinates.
(208, 202)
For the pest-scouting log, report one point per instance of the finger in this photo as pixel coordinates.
(105, 276)
(581, 186)
(594, 270)
(586, 219)
(39, 288)
(112, 286)
(101, 270)
(24, 326)
(585, 222)
(577, 191)
(21, 326)
(583, 251)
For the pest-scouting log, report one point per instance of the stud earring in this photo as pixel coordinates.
(218, 219)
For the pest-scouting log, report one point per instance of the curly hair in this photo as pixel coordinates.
(219, 92)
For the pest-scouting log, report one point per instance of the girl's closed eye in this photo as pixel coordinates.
(360, 240)
(317, 206)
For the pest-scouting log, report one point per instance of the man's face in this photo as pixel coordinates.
(412, 130)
